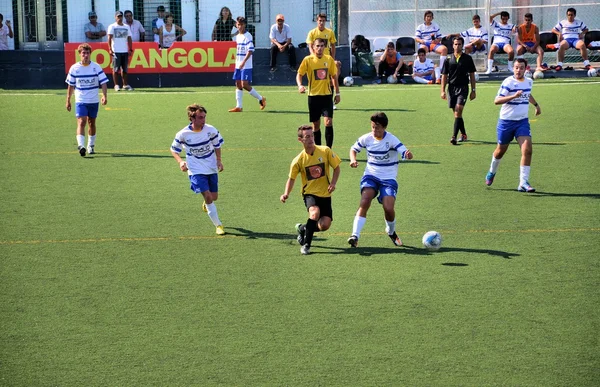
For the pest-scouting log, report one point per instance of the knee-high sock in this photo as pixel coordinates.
(317, 135)
(461, 125)
(357, 226)
(212, 214)
(310, 228)
(239, 94)
(255, 94)
(421, 80)
(494, 165)
(456, 127)
(329, 136)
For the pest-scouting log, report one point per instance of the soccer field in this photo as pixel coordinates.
(111, 274)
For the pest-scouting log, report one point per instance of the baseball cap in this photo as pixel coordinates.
(92, 14)
(118, 13)
(280, 17)
(161, 8)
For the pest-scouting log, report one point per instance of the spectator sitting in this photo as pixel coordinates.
(158, 22)
(501, 42)
(570, 34)
(94, 31)
(528, 38)
(137, 29)
(391, 63)
(223, 26)
(476, 37)
(424, 70)
(5, 33)
(281, 39)
(169, 32)
(429, 37)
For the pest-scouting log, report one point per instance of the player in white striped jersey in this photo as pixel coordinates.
(85, 78)
(429, 37)
(384, 151)
(424, 70)
(476, 37)
(515, 96)
(571, 33)
(501, 42)
(243, 67)
(202, 143)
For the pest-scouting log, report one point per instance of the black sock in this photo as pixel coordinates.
(456, 126)
(461, 125)
(317, 135)
(310, 228)
(329, 136)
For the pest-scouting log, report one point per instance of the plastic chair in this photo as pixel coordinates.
(405, 45)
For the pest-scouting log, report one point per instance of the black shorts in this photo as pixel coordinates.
(324, 205)
(457, 95)
(319, 105)
(120, 59)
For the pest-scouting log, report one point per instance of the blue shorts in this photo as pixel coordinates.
(501, 46)
(428, 77)
(203, 183)
(86, 109)
(572, 42)
(243, 75)
(483, 48)
(529, 44)
(508, 129)
(383, 187)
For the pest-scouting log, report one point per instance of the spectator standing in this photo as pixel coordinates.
(120, 46)
(328, 37)
(169, 32)
(281, 41)
(158, 22)
(94, 31)
(222, 31)
(5, 33)
(137, 29)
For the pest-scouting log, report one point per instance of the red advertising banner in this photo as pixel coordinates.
(181, 57)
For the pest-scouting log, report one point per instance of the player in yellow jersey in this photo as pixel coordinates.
(313, 164)
(321, 72)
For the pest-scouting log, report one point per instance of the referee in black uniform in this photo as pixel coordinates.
(458, 70)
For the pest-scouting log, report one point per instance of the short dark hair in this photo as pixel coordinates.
(521, 60)
(127, 11)
(505, 14)
(476, 17)
(380, 118)
(194, 108)
(241, 20)
(322, 15)
(319, 39)
(302, 128)
(572, 10)
(428, 12)
(528, 15)
(422, 51)
(462, 40)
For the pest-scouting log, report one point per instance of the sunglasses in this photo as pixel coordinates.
(280, 20)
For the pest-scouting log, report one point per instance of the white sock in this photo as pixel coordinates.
(80, 140)
(510, 64)
(92, 140)
(559, 64)
(390, 227)
(239, 94)
(357, 226)
(490, 64)
(524, 174)
(255, 94)
(438, 72)
(421, 80)
(212, 214)
(495, 163)
(442, 59)
(586, 62)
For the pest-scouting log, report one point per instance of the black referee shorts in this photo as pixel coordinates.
(457, 95)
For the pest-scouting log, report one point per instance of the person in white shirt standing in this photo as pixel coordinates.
(120, 45)
(281, 39)
(85, 78)
(137, 29)
(571, 32)
(5, 33)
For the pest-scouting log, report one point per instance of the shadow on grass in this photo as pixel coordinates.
(249, 234)
(148, 156)
(554, 194)
(479, 142)
(412, 250)
(405, 162)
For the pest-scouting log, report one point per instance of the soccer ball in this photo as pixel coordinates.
(592, 72)
(348, 81)
(476, 77)
(432, 240)
(391, 79)
(528, 74)
(538, 75)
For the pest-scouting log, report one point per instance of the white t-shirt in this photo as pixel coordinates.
(425, 31)
(119, 34)
(502, 32)
(518, 108)
(4, 37)
(137, 29)
(474, 33)
(199, 148)
(86, 79)
(419, 67)
(570, 30)
(281, 37)
(244, 45)
(382, 155)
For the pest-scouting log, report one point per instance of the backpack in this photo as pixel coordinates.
(360, 44)
(365, 64)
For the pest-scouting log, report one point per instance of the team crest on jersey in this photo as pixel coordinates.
(320, 159)
(387, 145)
(315, 171)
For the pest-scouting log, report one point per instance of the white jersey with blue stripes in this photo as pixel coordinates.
(423, 67)
(518, 108)
(570, 30)
(199, 148)
(473, 34)
(382, 155)
(86, 79)
(502, 32)
(425, 32)
(244, 44)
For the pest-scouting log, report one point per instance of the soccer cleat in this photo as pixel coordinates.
(438, 81)
(117, 88)
(90, 150)
(204, 208)
(220, 230)
(353, 241)
(453, 140)
(488, 71)
(235, 110)
(462, 138)
(305, 249)
(128, 88)
(263, 103)
(525, 187)
(402, 81)
(81, 150)
(395, 239)
(489, 178)
(558, 68)
(551, 46)
(334, 107)
(430, 82)
(300, 229)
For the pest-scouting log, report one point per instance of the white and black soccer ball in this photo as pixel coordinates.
(528, 74)
(348, 81)
(538, 75)
(592, 72)
(391, 79)
(432, 240)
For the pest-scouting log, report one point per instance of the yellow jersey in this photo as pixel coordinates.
(319, 73)
(315, 170)
(327, 35)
